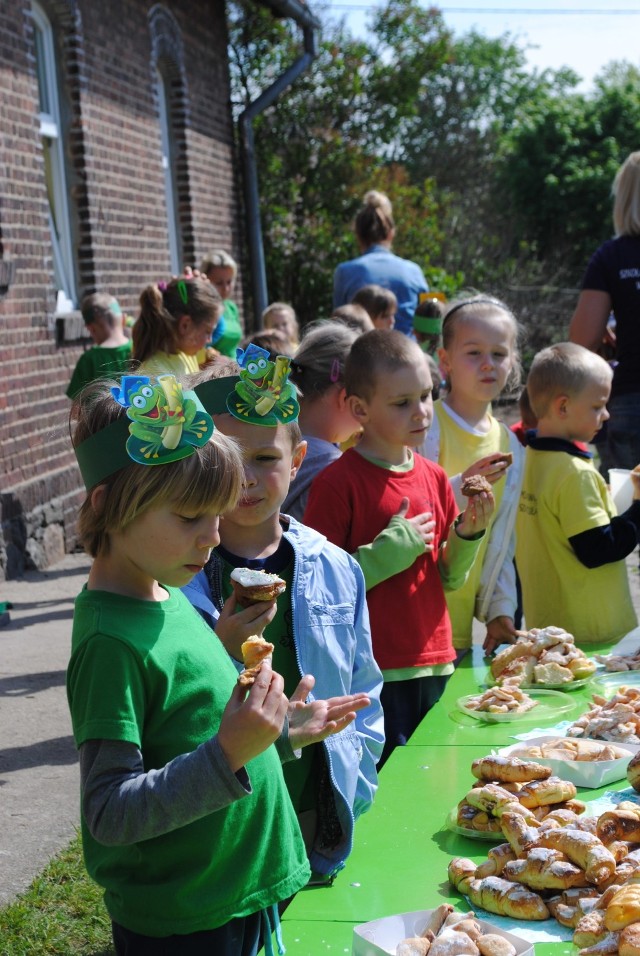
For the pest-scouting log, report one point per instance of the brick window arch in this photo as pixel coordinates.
(168, 65)
(60, 75)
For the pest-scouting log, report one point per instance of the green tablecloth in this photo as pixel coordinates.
(402, 846)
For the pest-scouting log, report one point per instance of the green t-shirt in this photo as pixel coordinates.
(232, 331)
(98, 362)
(152, 674)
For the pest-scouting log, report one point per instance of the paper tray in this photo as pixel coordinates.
(381, 936)
(590, 774)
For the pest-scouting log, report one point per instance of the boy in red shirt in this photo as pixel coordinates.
(388, 382)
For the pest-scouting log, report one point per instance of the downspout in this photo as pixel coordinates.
(302, 16)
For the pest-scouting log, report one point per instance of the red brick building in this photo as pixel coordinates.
(118, 165)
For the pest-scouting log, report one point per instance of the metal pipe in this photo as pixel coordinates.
(302, 16)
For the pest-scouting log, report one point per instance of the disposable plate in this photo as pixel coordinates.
(584, 773)
(549, 704)
(569, 685)
(609, 683)
(485, 835)
(381, 936)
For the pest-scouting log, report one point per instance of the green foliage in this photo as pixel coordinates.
(499, 176)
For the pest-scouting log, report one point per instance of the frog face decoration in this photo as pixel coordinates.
(264, 395)
(165, 424)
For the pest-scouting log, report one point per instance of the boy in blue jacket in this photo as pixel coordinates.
(319, 626)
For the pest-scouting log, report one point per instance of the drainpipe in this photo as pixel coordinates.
(302, 16)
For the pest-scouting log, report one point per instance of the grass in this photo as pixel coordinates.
(61, 914)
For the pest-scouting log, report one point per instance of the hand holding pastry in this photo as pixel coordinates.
(491, 467)
(477, 515)
(233, 627)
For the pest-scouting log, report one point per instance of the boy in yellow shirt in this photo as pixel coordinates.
(570, 544)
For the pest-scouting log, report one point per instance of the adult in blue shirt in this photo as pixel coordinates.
(377, 264)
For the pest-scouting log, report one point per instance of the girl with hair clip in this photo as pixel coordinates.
(377, 264)
(176, 321)
(186, 820)
(325, 419)
(480, 358)
(221, 270)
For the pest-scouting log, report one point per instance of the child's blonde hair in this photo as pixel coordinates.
(101, 305)
(161, 308)
(354, 316)
(563, 369)
(320, 360)
(218, 259)
(274, 307)
(209, 479)
(626, 190)
(484, 307)
(383, 350)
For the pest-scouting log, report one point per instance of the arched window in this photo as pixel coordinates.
(54, 159)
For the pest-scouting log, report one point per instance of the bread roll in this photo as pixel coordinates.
(624, 908)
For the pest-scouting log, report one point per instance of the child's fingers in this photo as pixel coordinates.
(301, 692)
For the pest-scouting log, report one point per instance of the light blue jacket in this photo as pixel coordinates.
(333, 642)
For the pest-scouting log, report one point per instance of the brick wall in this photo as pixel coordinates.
(107, 57)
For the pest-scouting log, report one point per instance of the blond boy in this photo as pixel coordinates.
(570, 545)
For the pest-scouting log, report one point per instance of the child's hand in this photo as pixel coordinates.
(477, 515)
(311, 722)
(233, 628)
(491, 467)
(252, 722)
(635, 481)
(501, 630)
(423, 523)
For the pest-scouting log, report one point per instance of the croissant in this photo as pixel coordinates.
(544, 869)
(618, 825)
(590, 928)
(607, 945)
(540, 793)
(633, 772)
(506, 899)
(518, 832)
(498, 856)
(629, 944)
(624, 908)
(496, 800)
(508, 770)
(460, 871)
(584, 849)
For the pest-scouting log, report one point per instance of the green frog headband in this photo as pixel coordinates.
(163, 424)
(261, 394)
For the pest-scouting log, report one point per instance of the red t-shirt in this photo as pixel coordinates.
(351, 501)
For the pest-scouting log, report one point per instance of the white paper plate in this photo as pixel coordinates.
(380, 937)
(549, 703)
(590, 774)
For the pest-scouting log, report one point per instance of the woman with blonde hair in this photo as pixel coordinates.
(377, 264)
(612, 285)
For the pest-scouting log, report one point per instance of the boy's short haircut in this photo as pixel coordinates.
(375, 299)
(383, 350)
(563, 369)
(354, 316)
(100, 305)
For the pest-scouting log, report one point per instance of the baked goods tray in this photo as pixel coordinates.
(589, 774)
(380, 937)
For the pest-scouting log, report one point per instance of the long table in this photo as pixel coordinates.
(402, 845)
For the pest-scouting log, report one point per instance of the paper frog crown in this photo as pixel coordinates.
(263, 395)
(163, 424)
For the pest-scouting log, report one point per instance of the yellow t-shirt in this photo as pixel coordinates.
(563, 495)
(459, 448)
(170, 363)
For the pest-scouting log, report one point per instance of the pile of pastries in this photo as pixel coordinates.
(544, 656)
(506, 699)
(619, 662)
(448, 933)
(575, 749)
(584, 871)
(616, 719)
